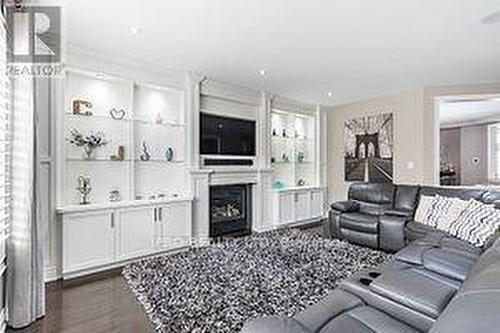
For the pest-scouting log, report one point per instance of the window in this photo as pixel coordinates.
(494, 153)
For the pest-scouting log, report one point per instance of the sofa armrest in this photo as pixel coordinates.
(345, 206)
(401, 213)
(391, 232)
(275, 325)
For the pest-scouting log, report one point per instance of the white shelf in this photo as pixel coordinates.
(119, 204)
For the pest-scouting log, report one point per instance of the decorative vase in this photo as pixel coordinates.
(169, 154)
(145, 156)
(88, 152)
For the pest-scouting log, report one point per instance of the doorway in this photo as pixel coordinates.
(469, 140)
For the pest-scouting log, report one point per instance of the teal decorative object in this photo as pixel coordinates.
(278, 185)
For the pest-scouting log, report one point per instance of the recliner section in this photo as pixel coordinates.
(381, 215)
(436, 284)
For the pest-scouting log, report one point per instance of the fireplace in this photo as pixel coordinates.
(230, 210)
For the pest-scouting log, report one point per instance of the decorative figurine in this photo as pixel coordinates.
(77, 107)
(284, 133)
(274, 132)
(273, 159)
(301, 156)
(84, 188)
(285, 157)
(88, 142)
(301, 182)
(120, 155)
(117, 114)
(114, 195)
(169, 154)
(158, 119)
(145, 156)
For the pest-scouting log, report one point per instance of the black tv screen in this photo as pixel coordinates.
(226, 136)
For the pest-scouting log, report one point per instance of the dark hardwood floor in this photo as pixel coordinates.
(100, 303)
(97, 304)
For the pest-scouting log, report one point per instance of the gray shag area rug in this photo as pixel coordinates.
(220, 287)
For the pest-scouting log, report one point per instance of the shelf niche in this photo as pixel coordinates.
(293, 149)
(152, 114)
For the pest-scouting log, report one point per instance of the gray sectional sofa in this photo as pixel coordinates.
(434, 283)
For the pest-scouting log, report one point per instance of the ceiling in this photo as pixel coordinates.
(456, 113)
(353, 48)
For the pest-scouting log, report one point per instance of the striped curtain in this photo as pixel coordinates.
(25, 286)
(5, 174)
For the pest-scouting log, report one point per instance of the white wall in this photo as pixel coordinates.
(408, 138)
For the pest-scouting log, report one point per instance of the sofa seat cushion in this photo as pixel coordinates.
(365, 319)
(416, 230)
(360, 222)
(319, 314)
(415, 290)
(452, 264)
(449, 263)
(450, 243)
(275, 324)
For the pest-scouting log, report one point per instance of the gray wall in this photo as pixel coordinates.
(474, 155)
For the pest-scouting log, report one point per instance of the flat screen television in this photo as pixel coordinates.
(226, 136)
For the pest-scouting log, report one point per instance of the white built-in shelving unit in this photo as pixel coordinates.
(153, 213)
(297, 194)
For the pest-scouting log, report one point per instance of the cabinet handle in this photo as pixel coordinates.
(155, 214)
(296, 197)
(160, 214)
(112, 220)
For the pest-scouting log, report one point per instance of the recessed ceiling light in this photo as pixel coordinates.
(330, 94)
(492, 18)
(101, 76)
(262, 72)
(135, 30)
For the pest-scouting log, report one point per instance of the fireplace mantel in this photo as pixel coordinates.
(259, 178)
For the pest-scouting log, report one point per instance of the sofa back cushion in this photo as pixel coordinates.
(373, 198)
(464, 193)
(406, 197)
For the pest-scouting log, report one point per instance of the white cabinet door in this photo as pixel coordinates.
(175, 222)
(302, 206)
(136, 232)
(88, 240)
(316, 204)
(286, 207)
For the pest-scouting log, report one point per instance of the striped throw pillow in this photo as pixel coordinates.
(476, 223)
(445, 211)
(424, 206)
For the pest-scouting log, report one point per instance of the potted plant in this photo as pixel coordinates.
(88, 142)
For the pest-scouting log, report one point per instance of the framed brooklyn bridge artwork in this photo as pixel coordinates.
(369, 147)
